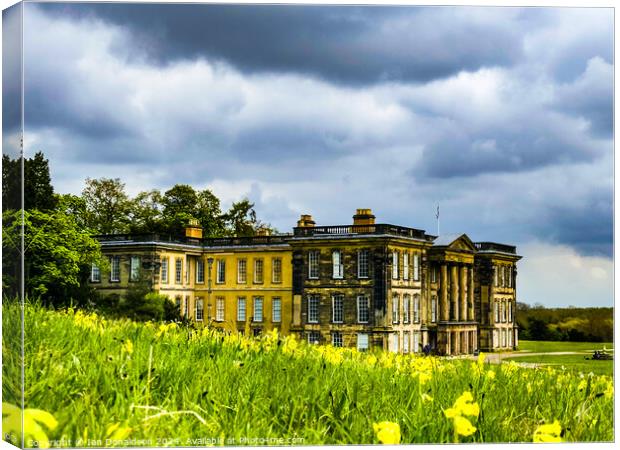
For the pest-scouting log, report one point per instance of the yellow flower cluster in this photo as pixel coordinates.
(164, 328)
(387, 432)
(463, 406)
(89, 321)
(548, 433)
(35, 420)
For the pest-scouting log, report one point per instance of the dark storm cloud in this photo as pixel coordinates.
(11, 76)
(350, 45)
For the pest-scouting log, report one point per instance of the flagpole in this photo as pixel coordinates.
(437, 216)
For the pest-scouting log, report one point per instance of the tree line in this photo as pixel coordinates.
(58, 229)
(537, 323)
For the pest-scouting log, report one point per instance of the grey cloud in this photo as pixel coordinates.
(11, 77)
(342, 44)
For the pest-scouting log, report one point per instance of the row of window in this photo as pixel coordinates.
(503, 276)
(220, 309)
(503, 311)
(503, 338)
(363, 344)
(410, 270)
(220, 275)
(363, 308)
(115, 269)
(406, 308)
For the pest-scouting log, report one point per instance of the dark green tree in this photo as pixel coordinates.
(107, 205)
(146, 213)
(58, 255)
(38, 190)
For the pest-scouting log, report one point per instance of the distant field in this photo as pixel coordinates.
(563, 346)
(574, 363)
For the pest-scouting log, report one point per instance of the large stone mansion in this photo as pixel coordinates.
(364, 285)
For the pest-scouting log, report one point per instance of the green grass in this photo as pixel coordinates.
(182, 386)
(561, 346)
(575, 363)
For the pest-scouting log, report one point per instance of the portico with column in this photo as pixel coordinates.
(457, 327)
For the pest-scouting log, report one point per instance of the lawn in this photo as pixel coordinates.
(575, 363)
(119, 383)
(562, 346)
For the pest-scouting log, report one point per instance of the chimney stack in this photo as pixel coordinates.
(363, 217)
(305, 221)
(193, 229)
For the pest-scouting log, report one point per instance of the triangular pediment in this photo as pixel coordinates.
(455, 242)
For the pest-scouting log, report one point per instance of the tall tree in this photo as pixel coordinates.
(58, 256)
(146, 213)
(179, 204)
(37, 184)
(209, 214)
(241, 219)
(107, 205)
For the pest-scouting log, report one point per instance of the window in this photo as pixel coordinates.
(115, 268)
(416, 308)
(219, 309)
(509, 276)
(241, 309)
(503, 338)
(242, 271)
(313, 264)
(416, 267)
(313, 309)
(406, 306)
(199, 309)
(338, 308)
(177, 303)
(186, 311)
(495, 338)
(509, 336)
(258, 270)
(416, 343)
(258, 309)
(434, 308)
(496, 311)
(362, 308)
(406, 266)
(395, 308)
(337, 339)
(502, 281)
(395, 345)
(200, 271)
(276, 309)
(395, 265)
(314, 337)
(434, 270)
(504, 310)
(178, 268)
(362, 342)
(362, 264)
(186, 269)
(337, 266)
(95, 273)
(496, 276)
(510, 311)
(221, 271)
(406, 342)
(276, 270)
(134, 268)
(164, 270)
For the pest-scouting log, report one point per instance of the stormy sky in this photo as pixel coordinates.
(503, 116)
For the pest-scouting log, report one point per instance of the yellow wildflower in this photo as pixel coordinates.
(582, 385)
(490, 374)
(128, 347)
(609, 392)
(548, 433)
(481, 357)
(424, 377)
(463, 426)
(387, 432)
(465, 405)
(115, 432)
(34, 434)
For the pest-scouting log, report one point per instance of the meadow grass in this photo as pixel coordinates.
(153, 384)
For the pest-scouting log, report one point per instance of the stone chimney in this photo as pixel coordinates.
(193, 229)
(363, 217)
(263, 232)
(305, 221)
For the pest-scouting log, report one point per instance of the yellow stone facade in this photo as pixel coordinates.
(366, 285)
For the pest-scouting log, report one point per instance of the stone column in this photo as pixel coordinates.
(444, 310)
(454, 292)
(463, 293)
(457, 342)
(470, 294)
